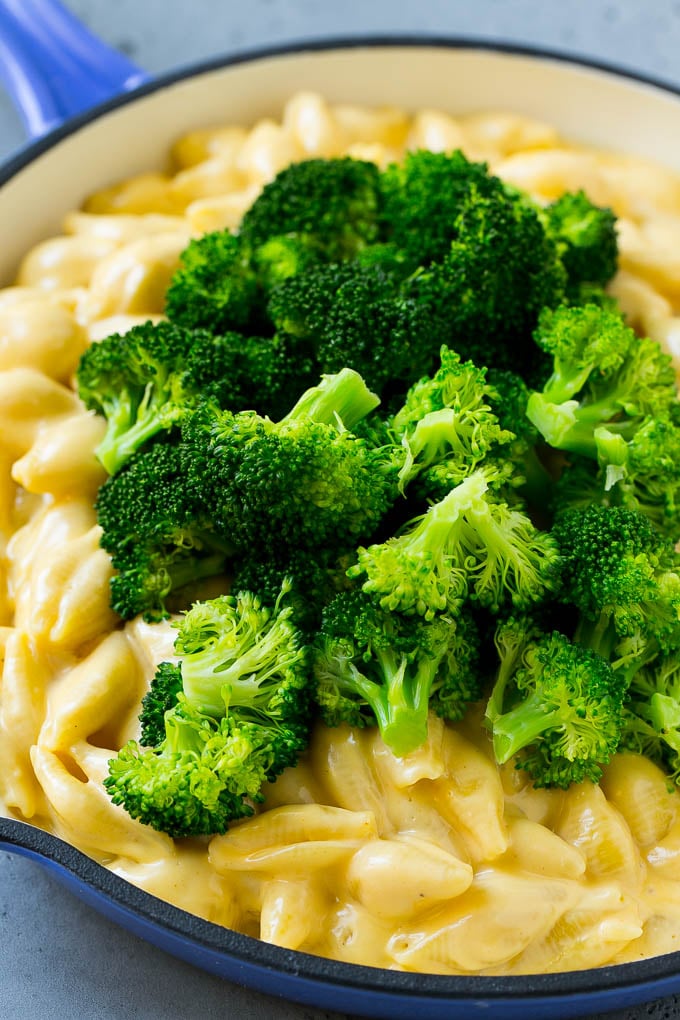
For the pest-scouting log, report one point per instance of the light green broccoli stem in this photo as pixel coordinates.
(522, 726)
(342, 399)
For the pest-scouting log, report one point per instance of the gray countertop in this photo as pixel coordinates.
(59, 960)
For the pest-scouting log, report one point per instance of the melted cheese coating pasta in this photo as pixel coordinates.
(438, 861)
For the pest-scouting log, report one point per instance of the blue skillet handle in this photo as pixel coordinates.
(53, 67)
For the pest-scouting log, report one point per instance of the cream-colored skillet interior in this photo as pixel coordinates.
(436, 862)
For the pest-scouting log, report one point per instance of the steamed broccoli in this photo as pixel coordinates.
(303, 482)
(334, 202)
(501, 270)
(387, 327)
(373, 667)
(216, 285)
(651, 717)
(240, 718)
(605, 385)
(205, 774)
(422, 199)
(135, 381)
(624, 580)
(159, 537)
(447, 419)
(469, 545)
(587, 235)
(555, 705)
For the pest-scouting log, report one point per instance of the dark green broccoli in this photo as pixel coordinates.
(159, 537)
(587, 235)
(373, 667)
(469, 545)
(216, 286)
(304, 482)
(501, 270)
(624, 580)
(284, 256)
(422, 198)
(244, 373)
(387, 327)
(334, 202)
(165, 687)
(240, 719)
(555, 705)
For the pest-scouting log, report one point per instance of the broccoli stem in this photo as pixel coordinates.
(521, 726)
(122, 440)
(342, 398)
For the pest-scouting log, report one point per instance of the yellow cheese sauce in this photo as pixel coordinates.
(438, 861)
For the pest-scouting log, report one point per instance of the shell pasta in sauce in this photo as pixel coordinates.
(438, 861)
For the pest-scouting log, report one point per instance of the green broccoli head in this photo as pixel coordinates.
(501, 270)
(447, 419)
(300, 483)
(333, 202)
(587, 235)
(204, 774)
(422, 199)
(469, 545)
(158, 545)
(377, 668)
(216, 287)
(386, 326)
(243, 657)
(136, 381)
(605, 385)
(560, 713)
(166, 685)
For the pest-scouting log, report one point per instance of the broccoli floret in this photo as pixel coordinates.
(166, 685)
(467, 545)
(372, 668)
(605, 385)
(240, 373)
(284, 256)
(304, 482)
(334, 202)
(240, 656)
(216, 287)
(240, 718)
(204, 774)
(642, 474)
(136, 382)
(366, 317)
(422, 198)
(587, 234)
(556, 705)
(623, 578)
(501, 270)
(447, 417)
(159, 537)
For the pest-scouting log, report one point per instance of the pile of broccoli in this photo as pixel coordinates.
(395, 451)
